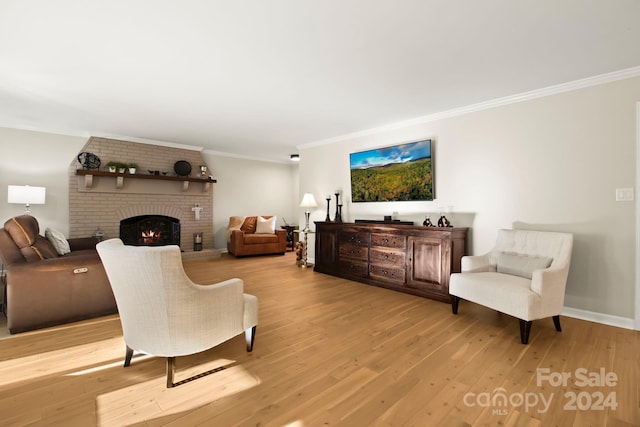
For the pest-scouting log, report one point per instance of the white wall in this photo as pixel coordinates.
(39, 159)
(551, 163)
(250, 187)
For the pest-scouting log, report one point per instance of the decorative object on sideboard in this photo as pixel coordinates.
(427, 222)
(26, 195)
(89, 160)
(328, 218)
(182, 168)
(444, 222)
(338, 217)
(308, 201)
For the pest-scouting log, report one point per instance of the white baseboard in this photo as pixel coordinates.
(606, 319)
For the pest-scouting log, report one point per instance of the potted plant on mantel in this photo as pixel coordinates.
(112, 166)
(132, 168)
(115, 166)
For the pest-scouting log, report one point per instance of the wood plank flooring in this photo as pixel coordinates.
(329, 351)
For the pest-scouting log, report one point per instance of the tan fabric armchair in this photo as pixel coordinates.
(163, 313)
(524, 276)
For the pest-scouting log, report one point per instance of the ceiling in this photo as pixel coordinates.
(258, 78)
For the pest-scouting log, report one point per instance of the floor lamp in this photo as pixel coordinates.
(308, 201)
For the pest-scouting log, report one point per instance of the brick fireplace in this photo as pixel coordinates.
(100, 203)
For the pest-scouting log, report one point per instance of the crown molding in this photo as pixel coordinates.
(485, 105)
(253, 158)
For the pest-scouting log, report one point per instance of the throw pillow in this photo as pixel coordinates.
(266, 226)
(58, 240)
(521, 265)
(249, 224)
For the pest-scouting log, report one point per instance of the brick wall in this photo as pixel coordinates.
(103, 205)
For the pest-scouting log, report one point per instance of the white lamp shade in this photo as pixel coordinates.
(308, 201)
(27, 195)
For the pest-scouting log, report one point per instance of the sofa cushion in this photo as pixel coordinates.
(256, 239)
(57, 239)
(249, 224)
(521, 265)
(266, 225)
(24, 230)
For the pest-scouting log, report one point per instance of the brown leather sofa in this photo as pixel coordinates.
(242, 239)
(44, 288)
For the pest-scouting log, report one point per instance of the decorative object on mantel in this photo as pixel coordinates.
(133, 167)
(182, 168)
(89, 160)
(328, 218)
(203, 171)
(88, 178)
(338, 217)
(197, 208)
(115, 166)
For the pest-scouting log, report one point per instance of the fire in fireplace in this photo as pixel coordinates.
(150, 230)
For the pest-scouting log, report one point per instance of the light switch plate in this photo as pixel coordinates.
(624, 194)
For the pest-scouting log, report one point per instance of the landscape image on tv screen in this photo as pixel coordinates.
(397, 173)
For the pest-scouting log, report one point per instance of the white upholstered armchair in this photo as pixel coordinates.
(524, 276)
(163, 313)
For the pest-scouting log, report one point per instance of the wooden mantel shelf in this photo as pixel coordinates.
(89, 174)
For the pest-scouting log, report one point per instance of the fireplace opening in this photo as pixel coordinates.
(150, 230)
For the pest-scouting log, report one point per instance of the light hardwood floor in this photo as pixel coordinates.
(329, 351)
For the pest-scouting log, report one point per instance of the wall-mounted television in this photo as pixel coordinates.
(402, 172)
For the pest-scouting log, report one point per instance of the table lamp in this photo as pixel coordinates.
(27, 195)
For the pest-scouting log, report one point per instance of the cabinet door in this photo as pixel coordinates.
(428, 264)
(325, 256)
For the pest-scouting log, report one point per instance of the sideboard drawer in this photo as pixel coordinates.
(354, 237)
(388, 240)
(381, 256)
(347, 250)
(387, 273)
(353, 267)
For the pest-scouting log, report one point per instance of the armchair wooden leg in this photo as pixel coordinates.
(250, 336)
(170, 371)
(556, 322)
(454, 303)
(127, 357)
(525, 329)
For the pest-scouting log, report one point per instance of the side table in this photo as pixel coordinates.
(290, 229)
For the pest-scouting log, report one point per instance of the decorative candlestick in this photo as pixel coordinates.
(337, 193)
(339, 214)
(328, 218)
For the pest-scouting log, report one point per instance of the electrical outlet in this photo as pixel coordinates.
(624, 194)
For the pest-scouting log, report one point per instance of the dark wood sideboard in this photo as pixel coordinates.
(407, 258)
